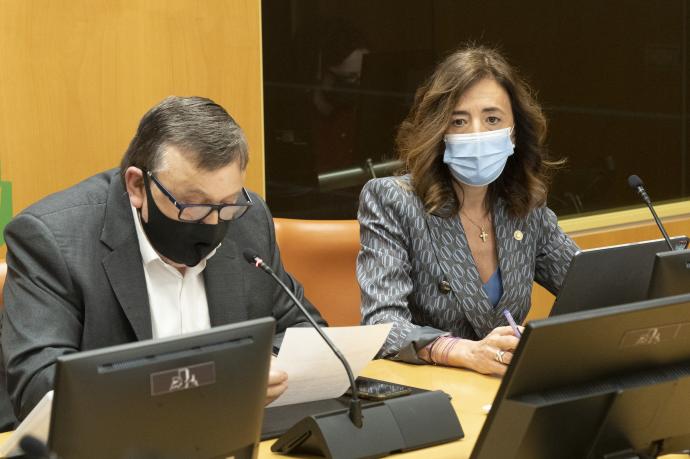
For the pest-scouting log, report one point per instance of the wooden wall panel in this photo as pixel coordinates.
(76, 76)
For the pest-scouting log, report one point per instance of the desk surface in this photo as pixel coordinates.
(469, 390)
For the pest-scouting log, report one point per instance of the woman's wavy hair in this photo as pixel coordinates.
(524, 181)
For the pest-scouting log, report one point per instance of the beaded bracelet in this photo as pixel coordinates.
(431, 350)
(449, 348)
(446, 344)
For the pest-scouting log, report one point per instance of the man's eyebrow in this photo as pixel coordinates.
(194, 192)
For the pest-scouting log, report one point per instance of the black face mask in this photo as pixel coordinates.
(182, 242)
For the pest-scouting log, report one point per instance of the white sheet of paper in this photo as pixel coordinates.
(314, 372)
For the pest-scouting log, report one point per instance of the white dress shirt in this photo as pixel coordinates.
(178, 302)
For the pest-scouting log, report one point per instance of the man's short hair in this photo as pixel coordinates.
(197, 126)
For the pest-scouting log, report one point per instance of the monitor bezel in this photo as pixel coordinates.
(555, 324)
(580, 272)
(84, 419)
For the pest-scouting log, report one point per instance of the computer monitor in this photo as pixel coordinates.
(605, 383)
(196, 396)
(671, 274)
(612, 275)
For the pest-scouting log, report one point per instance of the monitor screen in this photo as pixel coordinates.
(199, 395)
(595, 384)
(671, 274)
(606, 276)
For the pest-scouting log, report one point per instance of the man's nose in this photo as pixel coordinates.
(212, 218)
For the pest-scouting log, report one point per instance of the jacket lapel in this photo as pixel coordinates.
(123, 265)
(225, 287)
(129, 284)
(516, 272)
(454, 256)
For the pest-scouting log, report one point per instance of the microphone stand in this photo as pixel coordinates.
(393, 425)
(355, 412)
(660, 225)
(636, 183)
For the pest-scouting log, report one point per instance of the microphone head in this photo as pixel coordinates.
(250, 255)
(33, 447)
(635, 182)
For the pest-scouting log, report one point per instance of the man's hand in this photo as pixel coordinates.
(277, 383)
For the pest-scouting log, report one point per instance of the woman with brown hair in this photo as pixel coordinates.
(459, 240)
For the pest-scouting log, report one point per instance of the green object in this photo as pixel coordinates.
(5, 207)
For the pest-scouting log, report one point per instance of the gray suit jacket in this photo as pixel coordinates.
(406, 253)
(76, 281)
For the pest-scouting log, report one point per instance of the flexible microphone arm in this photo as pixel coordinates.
(355, 411)
(636, 184)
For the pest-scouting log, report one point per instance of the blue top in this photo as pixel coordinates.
(494, 287)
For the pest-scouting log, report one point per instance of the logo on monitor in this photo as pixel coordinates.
(184, 378)
(655, 335)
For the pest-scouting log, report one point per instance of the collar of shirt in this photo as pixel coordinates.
(149, 255)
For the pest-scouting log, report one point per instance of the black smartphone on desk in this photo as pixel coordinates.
(373, 389)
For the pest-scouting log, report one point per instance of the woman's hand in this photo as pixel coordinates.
(490, 355)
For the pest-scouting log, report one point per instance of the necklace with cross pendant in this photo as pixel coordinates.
(483, 235)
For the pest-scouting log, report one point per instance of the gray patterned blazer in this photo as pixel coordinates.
(406, 254)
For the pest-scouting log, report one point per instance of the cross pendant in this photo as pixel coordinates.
(483, 235)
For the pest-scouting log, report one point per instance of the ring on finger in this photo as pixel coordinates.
(499, 356)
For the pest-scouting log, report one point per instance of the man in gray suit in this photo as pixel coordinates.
(151, 250)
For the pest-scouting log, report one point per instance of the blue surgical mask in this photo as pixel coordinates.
(478, 159)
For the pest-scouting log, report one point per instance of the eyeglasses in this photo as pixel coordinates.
(195, 213)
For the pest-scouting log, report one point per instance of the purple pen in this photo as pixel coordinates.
(512, 323)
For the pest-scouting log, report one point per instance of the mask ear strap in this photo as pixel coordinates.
(149, 198)
(145, 176)
(147, 186)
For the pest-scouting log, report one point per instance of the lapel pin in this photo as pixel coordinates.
(518, 235)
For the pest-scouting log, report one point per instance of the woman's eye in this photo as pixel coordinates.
(459, 122)
(493, 120)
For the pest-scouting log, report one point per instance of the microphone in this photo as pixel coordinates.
(636, 184)
(34, 448)
(355, 410)
(398, 424)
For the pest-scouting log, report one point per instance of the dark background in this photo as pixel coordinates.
(611, 76)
